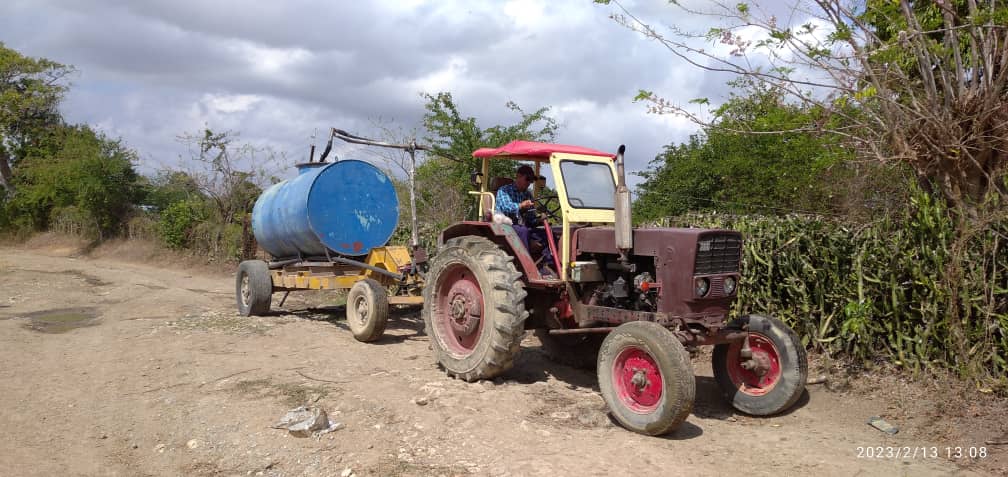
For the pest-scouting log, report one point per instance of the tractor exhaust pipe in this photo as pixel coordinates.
(624, 231)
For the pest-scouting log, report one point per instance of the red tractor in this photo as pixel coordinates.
(628, 301)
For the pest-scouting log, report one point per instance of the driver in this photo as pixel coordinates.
(515, 201)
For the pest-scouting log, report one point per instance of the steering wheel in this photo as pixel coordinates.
(549, 205)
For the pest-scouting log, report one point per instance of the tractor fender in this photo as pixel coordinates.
(503, 235)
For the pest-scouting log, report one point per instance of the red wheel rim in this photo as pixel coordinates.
(458, 314)
(747, 380)
(637, 380)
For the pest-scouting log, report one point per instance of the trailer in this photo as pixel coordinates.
(367, 284)
(328, 229)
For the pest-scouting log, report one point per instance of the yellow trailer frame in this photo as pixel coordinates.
(337, 276)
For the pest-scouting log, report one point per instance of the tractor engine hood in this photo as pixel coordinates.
(679, 255)
(649, 242)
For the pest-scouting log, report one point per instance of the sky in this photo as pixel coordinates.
(278, 72)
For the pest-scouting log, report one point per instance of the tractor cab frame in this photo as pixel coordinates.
(594, 181)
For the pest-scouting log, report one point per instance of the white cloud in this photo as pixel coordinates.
(527, 14)
(151, 71)
(448, 77)
(273, 63)
(230, 103)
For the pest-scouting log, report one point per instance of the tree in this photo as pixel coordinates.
(86, 171)
(453, 138)
(179, 219)
(30, 91)
(918, 83)
(168, 187)
(726, 170)
(229, 174)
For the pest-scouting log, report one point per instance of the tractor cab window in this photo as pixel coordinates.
(589, 185)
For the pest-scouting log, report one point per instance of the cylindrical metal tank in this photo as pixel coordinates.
(349, 207)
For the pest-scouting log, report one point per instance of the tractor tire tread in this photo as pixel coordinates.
(505, 289)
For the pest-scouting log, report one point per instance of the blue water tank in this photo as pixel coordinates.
(349, 207)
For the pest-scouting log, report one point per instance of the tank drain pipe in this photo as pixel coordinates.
(282, 263)
(330, 261)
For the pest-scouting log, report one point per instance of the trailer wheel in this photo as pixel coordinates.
(772, 389)
(367, 310)
(646, 378)
(577, 351)
(474, 308)
(253, 288)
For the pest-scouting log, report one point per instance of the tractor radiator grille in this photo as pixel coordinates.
(717, 254)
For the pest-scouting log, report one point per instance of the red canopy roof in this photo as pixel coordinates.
(537, 149)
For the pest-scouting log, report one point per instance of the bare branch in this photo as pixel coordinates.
(933, 99)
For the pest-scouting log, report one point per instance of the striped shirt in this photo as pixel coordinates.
(508, 200)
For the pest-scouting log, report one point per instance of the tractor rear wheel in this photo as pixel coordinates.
(253, 288)
(777, 382)
(474, 308)
(367, 310)
(646, 378)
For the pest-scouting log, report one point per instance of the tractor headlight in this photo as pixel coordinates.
(729, 285)
(701, 286)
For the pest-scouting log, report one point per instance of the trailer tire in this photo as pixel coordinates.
(646, 378)
(253, 288)
(474, 310)
(367, 310)
(783, 383)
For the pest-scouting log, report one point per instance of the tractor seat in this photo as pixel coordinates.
(498, 182)
(488, 204)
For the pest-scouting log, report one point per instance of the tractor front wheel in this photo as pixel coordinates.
(772, 379)
(646, 378)
(474, 308)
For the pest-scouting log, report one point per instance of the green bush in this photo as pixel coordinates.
(87, 175)
(773, 169)
(923, 288)
(179, 220)
(217, 241)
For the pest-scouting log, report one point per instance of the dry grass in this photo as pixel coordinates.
(153, 253)
(51, 243)
(122, 250)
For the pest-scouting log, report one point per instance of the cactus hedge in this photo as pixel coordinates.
(920, 288)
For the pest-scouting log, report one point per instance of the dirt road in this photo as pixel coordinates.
(164, 378)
